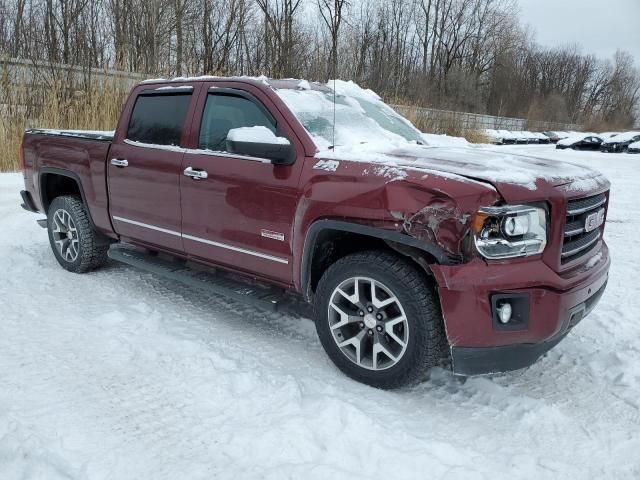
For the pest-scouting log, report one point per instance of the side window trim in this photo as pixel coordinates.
(213, 153)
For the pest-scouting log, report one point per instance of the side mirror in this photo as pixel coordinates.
(260, 142)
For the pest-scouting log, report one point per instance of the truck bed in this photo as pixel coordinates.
(77, 154)
(105, 136)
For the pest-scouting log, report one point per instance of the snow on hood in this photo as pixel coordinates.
(476, 163)
(576, 137)
(368, 130)
(622, 137)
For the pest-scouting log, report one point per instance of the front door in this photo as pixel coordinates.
(241, 215)
(144, 170)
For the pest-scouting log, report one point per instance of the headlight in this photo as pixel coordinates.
(510, 231)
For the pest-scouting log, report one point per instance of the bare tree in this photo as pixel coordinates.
(331, 12)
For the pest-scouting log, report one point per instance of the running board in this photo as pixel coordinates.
(263, 297)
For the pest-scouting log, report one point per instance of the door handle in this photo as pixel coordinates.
(195, 174)
(119, 162)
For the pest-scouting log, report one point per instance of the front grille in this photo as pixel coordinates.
(577, 241)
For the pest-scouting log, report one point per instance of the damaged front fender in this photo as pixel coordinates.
(433, 216)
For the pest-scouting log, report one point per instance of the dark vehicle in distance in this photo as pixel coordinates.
(553, 137)
(620, 143)
(580, 142)
(407, 253)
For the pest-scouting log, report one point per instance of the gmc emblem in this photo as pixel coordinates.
(594, 220)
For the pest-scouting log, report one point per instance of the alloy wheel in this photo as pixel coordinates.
(65, 235)
(368, 323)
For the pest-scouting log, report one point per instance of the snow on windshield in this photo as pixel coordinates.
(360, 116)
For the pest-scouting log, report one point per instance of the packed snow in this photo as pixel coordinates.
(435, 140)
(122, 375)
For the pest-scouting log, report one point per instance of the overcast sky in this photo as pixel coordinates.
(598, 26)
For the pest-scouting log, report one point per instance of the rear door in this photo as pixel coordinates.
(144, 166)
(241, 215)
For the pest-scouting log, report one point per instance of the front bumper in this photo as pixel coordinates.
(556, 303)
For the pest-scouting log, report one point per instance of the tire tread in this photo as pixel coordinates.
(93, 253)
(431, 339)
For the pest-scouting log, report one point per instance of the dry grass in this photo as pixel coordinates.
(53, 106)
(452, 126)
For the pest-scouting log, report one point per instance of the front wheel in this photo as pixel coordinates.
(378, 318)
(77, 246)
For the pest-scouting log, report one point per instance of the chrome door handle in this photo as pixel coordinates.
(119, 162)
(195, 174)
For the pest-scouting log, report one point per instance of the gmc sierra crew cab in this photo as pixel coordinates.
(409, 254)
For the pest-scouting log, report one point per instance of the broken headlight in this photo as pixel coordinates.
(510, 231)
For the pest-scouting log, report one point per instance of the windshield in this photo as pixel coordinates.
(358, 118)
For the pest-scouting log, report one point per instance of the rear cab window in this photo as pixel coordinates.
(158, 118)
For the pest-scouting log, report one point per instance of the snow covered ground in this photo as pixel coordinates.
(121, 375)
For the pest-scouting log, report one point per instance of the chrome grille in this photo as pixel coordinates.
(577, 240)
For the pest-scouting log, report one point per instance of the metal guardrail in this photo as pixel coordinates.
(442, 119)
(17, 70)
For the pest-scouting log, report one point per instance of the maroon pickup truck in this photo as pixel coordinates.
(410, 254)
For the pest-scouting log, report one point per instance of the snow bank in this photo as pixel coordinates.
(434, 140)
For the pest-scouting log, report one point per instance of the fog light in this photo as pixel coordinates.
(504, 312)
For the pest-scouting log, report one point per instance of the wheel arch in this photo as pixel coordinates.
(55, 182)
(323, 236)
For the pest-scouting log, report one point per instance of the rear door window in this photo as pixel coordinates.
(158, 119)
(224, 112)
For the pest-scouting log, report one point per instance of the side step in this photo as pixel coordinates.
(262, 297)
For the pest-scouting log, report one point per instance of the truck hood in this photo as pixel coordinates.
(516, 177)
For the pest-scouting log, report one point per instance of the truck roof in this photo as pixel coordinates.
(285, 83)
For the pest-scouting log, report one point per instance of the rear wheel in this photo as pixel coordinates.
(77, 246)
(379, 320)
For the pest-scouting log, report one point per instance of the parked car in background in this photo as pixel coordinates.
(508, 138)
(634, 147)
(552, 136)
(621, 142)
(606, 135)
(531, 137)
(494, 136)
(581, 141)
(521, 137)
(542, 138)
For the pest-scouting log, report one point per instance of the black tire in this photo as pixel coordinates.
(426, 344)
(90, 247)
